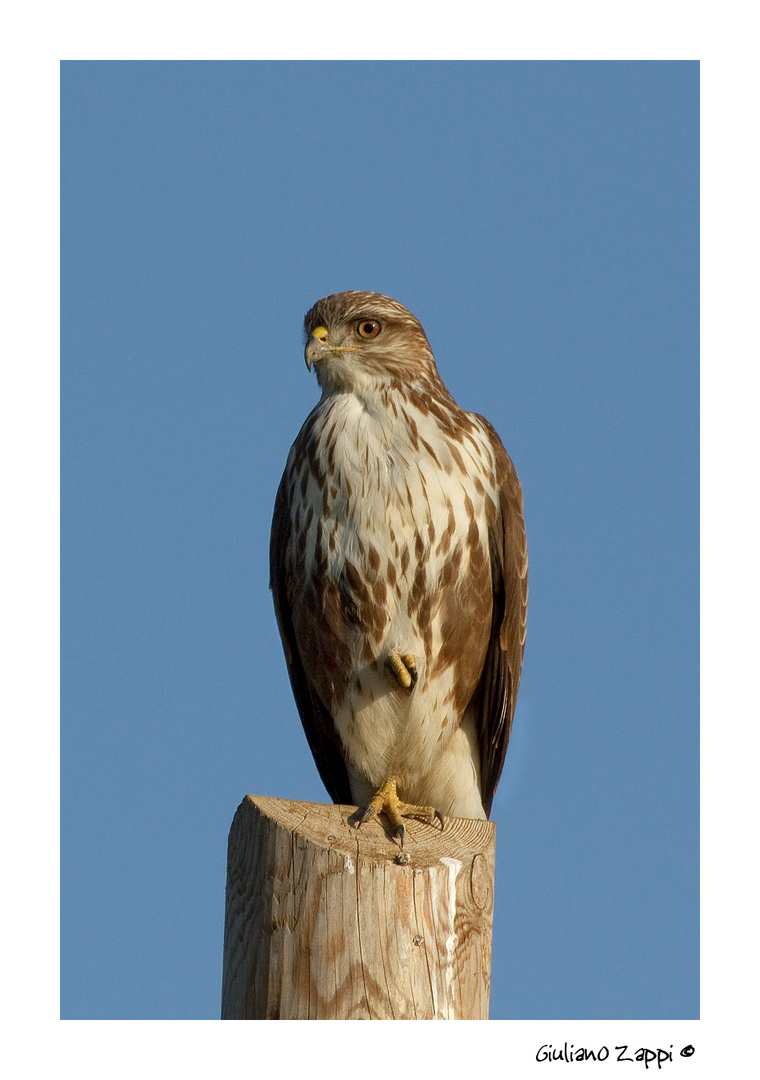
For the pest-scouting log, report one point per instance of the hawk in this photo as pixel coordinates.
(399, 572)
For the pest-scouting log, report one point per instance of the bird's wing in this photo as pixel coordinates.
(496, 693)
(317, 722)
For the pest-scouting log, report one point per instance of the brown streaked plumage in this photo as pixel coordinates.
(399, 572)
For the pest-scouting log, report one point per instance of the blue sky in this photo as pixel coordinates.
(541, 219)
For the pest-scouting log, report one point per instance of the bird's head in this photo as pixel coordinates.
(364, 341)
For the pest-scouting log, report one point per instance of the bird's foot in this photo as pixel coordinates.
(403, 668)
(386, 801)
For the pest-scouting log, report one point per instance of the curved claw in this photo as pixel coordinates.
(386, 801)
(361, 815)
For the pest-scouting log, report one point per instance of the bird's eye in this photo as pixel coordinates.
(368, 328)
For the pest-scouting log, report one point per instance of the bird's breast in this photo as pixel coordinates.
(386, 529)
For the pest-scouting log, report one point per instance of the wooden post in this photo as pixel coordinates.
(326, 922)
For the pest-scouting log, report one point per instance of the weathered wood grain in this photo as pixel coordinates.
(324, 921)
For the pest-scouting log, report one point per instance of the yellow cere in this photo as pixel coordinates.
(319, 332)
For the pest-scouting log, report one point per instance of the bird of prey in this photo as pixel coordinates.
(399, 571)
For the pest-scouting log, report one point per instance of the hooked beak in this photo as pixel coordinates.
(318, 347)
(315, 346)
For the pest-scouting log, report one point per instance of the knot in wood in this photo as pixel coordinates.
(480, 881)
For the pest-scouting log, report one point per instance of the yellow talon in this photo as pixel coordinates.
(386, 801)
(403, 667)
